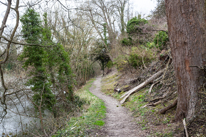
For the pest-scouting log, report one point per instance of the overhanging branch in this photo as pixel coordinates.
(23, 44)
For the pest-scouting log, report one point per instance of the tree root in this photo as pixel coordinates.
(163, 111)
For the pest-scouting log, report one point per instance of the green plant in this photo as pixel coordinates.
(90, 119)
(134, 23)
(100, 55)
(109, 64)
(158, 134)
(167, 120)
(127, 41)
(150, 45)
(161, 39)
(140, 56)
(46, 63)
(99, 123)
(170, 134)
(105, 33)
(120, 62)
(35, 56)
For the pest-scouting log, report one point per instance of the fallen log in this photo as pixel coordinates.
(163, 111)
(149, 80)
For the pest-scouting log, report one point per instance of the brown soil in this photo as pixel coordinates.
(119, 122)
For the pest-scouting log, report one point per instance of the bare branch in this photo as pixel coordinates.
(3, 25)
(23, 44)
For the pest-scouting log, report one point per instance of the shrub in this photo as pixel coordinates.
(150, 45)
(132, 25)
(127, 41)
(140, 55)
(120, 62)
(109, 64)
(161, 39)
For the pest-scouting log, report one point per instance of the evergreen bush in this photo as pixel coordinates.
(161, 39)
(127, 41)
(132, 25)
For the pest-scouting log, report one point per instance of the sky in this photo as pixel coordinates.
(143, 6)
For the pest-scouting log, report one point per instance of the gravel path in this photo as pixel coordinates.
(119, 122)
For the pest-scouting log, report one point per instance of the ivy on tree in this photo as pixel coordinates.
(50, 64)
(58, 63)
(35, 58)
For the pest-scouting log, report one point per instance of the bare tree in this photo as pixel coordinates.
(6, 51)
(121, 6)
(100, 12)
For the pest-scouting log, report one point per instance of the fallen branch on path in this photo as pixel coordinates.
(149, 80)
(163, 111)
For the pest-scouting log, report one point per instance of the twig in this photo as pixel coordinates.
(185, 126)
(144, 63)
(150, 89)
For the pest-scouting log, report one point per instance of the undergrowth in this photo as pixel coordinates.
(92, 116)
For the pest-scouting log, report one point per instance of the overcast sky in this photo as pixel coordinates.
(143, 6)
(138, 6)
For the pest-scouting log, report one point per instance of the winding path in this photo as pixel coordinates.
(118, 119)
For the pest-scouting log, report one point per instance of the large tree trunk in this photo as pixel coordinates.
(186, 26)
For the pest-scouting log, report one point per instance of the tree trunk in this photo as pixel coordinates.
(186, 27)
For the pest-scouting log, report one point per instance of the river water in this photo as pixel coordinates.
(20, 112)
(18, 117)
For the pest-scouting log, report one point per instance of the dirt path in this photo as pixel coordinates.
(118, 119)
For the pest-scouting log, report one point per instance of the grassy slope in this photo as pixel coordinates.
(93, 114)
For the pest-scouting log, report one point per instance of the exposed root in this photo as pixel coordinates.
(164, 110)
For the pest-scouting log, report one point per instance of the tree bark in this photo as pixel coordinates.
(186, 26)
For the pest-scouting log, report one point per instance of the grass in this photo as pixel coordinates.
(91, 118)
